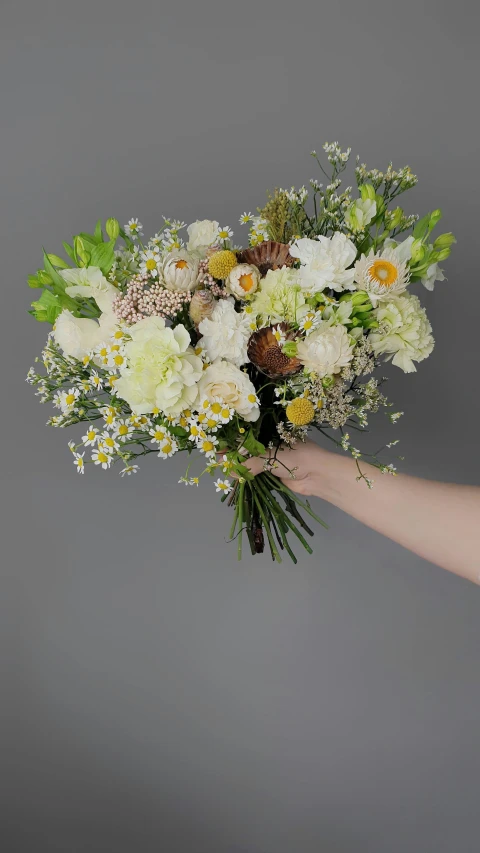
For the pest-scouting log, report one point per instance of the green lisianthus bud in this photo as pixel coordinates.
(360, 213)
(112, 227)
(444, 241)
(443, 254)
(435, 217)
(367, 192)
(328, 381)
(418, 251)
(396, 217)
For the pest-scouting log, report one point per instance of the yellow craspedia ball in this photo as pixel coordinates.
(300, 411)
(222, 263)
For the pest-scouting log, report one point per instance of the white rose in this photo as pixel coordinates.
(90, 282)
(324, 262)
(201, 234)
(180, 271)
(161, 369)
(404, 333)
(326, 350)
(226, 333)
(225, 381)
(243, 280)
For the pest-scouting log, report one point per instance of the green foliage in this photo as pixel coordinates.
(250, 443)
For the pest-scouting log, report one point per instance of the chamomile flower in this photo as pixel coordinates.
(150, 260)
(90, 437)
(140, 422)
(133, 229)
(168, 448)
(83, 385)
(208, 446)
(310, 321)
(96, 381)
(159, 434)
(72, 446)
(195, 431)
(226, 464)
(122, 429)
(111, 379)
(109, 414)
(129, 469)
(116, 357)
(67, 400)
(224, 233)
(102, 352)
(79, 463)
(107, 442)
(246, 218)
(223, 486)
(102, 457)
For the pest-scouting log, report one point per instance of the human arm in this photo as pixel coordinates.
(438, 521)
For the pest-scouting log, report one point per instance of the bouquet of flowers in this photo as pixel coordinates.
(193, 343)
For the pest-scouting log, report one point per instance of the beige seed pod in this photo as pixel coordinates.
(201, 305)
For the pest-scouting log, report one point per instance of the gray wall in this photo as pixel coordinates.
(157, 696)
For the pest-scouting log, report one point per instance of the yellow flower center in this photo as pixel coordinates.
(118, 359)
(246, 281)
(151, 264)
(123, 429)
(216, 408)
(180, 265)
(102, 457)
(70, 399)
(252, 398)
(90, 435)
(109, 442)
(383, 272)
(208, 446)
(167, 448)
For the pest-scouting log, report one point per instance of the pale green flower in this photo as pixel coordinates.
(279, 297)
(360, 213)
(404, 334)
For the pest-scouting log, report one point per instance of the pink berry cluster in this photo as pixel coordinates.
(206, 280)
(146, 298)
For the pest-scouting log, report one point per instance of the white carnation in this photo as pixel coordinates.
(202, 234)
(225, 333)
(180, 271)
(161, 369)
(324, 262)
(404, 333)
(225, 381)
(326, 350)
(90, 282)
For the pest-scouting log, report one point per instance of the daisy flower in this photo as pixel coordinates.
(107, 442)
(100, 457)
(111, 379)
(223, 486)
(150, 260)
(310, 321)
(129, 469)
(90, 437)
(102, 352)
(133, 229)
(67, 400)
(96, 381)
(122, 430)
(224, 233)
(168, 448)
(116, 356)
(79, 463)
(158, 434)
(109, 416)
(246, 218)
(208, 445)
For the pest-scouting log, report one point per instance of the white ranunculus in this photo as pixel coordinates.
(243, 281)
(161, 369)
(77, 336)
(225, 381)
(360, 213)
(180, 271)
(434, 273)
(226, 333)
(326, 350)
(404, 334)
(325, 262)
(90, 282)
(202, 234)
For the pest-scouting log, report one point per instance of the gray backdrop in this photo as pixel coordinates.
(156, 695)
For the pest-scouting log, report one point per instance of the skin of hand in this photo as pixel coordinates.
(438, 521)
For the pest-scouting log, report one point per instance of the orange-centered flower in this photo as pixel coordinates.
(383, 272)
(246, 282)
(181, 264)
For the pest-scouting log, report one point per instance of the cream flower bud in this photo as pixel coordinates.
(243, 281)
(202, 234)
(180, 271)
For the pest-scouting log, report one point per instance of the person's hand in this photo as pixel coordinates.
(298, 467)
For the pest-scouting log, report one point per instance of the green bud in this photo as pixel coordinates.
(443, 254)
(359, 298)
(396, 217)
(328, 381)
(44, 277)
(79, 250)
(418, 251)
(112, 227)
(435, 217)
(57, 262)
(367, 192)
(290, 349)
(444, 241)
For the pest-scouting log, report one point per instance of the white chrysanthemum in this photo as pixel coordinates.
(279, 297)
(161, 370)
(326, 350)
(383, 275)
(223, 381)
(225, 333)
(325, 262)
(180, 271)
(404, 333)
(202, 234)
(243, 281)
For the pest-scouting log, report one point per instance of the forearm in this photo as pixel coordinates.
(438, 521)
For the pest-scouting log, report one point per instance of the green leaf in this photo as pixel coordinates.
(102, 256)
(33, 281)
(254, 447)
(47, 308)
(178, 431)
(244, 472)
(90, 239)
(58, 262)
(421, 228)
(69, 251)
(58, 283)
(98, 232)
